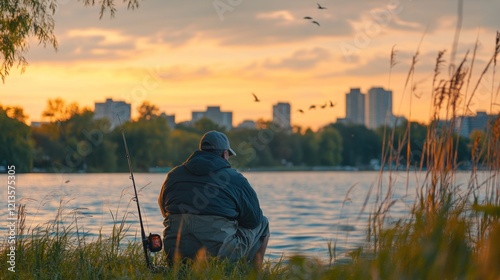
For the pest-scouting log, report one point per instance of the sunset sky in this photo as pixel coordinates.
(186, 55)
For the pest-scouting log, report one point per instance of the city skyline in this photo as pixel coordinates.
(282, 113)
(267, 48)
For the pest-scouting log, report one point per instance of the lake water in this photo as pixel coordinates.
(306, 210)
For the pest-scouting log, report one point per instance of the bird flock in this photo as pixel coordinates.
(311, 19)
(328, 104)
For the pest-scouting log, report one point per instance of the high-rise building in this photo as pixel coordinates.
(114, 111)
(170, 119)
(465, 125)
(378, 108)
(281, 115)
(355, 107)
(213, 113)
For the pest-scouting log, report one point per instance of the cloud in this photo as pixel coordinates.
(302, 59)
(256, 24)
(380, 64)
(88, 44)
(283, 16)
(180, 73)
(106, 37)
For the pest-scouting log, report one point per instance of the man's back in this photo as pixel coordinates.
(206, 200)
(207, 185)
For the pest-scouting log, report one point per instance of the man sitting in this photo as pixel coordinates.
(209, 205)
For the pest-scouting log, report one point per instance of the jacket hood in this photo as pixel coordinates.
(202, 163)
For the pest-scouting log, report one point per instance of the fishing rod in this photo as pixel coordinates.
(153, 241)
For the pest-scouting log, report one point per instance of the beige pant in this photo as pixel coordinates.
(219, 236)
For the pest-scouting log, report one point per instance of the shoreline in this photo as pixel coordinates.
(266, 169)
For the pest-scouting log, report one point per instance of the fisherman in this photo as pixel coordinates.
(210, 207)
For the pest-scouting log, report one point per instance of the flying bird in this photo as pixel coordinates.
(321, 7)
(308, 18)
(331, 104)
(315, 22)
(301, 111)
(67, 181)
(256, 98)
(312, 107)
(323, 106)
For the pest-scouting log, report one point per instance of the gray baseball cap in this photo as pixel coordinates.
(214, 140)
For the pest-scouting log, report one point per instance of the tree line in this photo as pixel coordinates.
(73, 141)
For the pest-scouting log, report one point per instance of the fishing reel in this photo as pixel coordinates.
(154, 242)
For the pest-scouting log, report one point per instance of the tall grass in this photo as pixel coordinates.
(452, 230)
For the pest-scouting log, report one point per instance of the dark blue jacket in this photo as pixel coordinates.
(205, 184)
